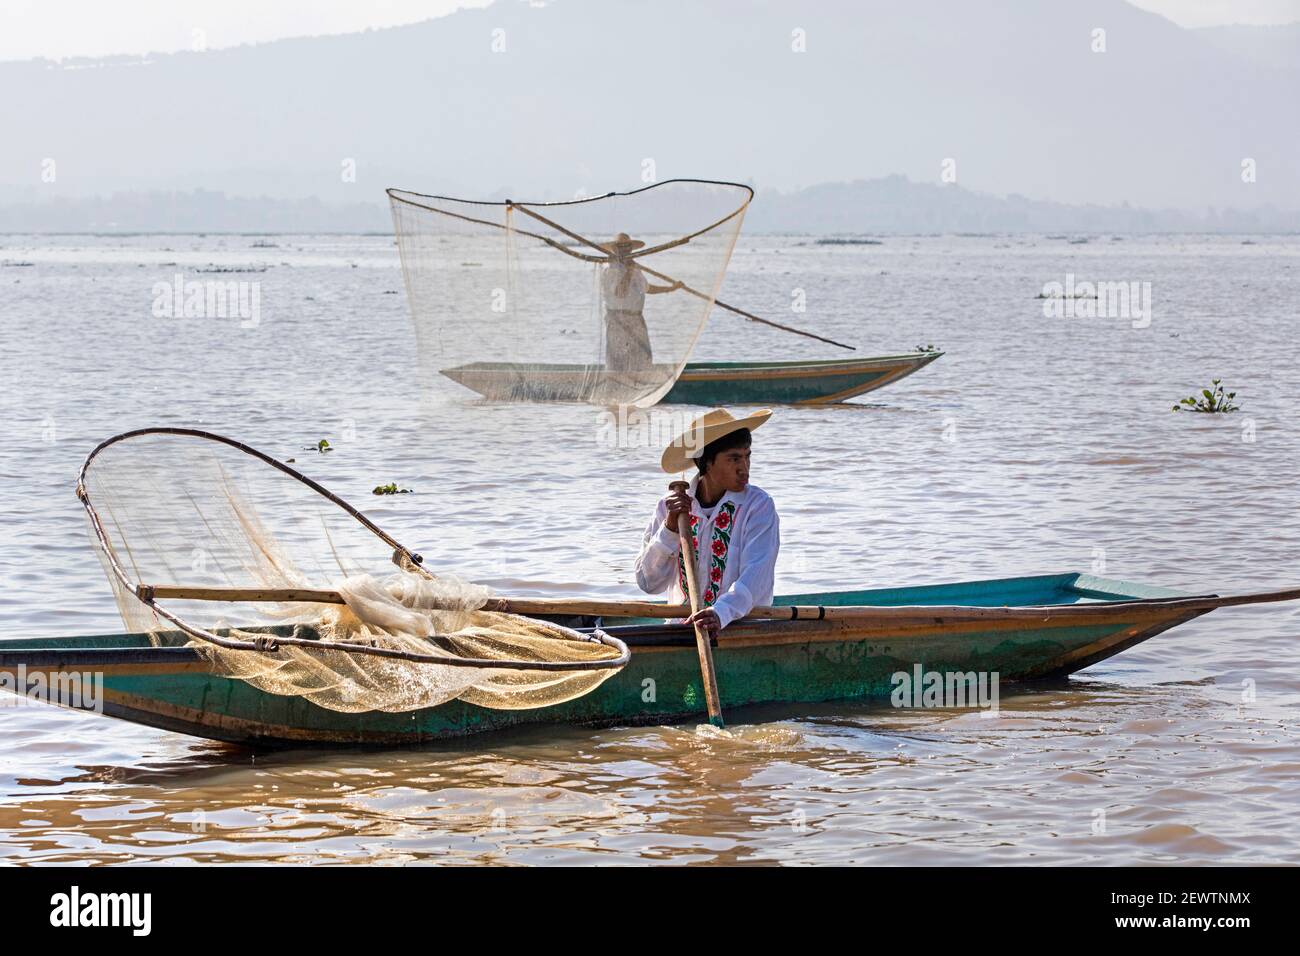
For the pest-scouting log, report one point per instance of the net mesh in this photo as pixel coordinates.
(184, 510)
(597, 300)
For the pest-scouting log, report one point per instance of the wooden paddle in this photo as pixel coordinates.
(702, 643)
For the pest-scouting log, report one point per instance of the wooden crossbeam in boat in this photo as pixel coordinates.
(156, 592)
(651, 609)
(579, 606)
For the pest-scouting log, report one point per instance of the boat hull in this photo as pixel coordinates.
(700, 383)
(761, 662)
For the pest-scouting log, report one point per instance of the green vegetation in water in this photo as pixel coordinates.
(1210, 400)
(392, 489)
(323, 446)
(1062, 295)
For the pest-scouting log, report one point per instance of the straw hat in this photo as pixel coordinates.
(709, 427)
(622, 243)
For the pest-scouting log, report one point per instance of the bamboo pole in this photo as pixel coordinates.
(506, 605)
(747, 315)
(589, 607)
(158, 592)
(669, 279)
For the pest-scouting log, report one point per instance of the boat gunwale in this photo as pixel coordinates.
(1058, 582)
(893, 620)
(650, 637)
(699, 371)
(836, 366)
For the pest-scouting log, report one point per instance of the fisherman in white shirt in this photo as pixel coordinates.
(623, 288)
(734, 524)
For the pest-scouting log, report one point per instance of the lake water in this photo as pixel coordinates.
(1034, 445)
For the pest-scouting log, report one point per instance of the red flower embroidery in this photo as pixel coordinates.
(719, 545)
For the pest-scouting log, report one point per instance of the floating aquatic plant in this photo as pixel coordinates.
(1212, 399)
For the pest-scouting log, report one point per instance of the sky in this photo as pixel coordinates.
(66, 28)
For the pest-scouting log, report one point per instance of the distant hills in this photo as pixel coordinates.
(1277, 47)
(194, 211)
(890, 205)
(895, 205)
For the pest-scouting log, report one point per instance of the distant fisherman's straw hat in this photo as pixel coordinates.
(709, 427)
(622, 243)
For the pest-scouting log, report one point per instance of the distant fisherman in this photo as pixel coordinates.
(734, 524)
(623, 288)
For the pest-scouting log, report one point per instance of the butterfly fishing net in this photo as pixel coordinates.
(596, 300)
(279, 583)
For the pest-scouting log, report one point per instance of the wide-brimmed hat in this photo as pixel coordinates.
(622, 243)
(706, 429)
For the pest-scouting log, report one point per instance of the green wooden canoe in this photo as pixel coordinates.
(1023, 629)
(701, 383)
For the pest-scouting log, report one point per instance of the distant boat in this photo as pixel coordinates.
(531, 256)
(701, 383)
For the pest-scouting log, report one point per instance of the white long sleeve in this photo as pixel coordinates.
(656, 565)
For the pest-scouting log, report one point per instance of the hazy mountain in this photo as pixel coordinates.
(895, 205)
(583, 92)
(1275, 46)
(198, 210)
(879, 206)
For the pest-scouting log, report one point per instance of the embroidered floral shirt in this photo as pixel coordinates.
(736, 547)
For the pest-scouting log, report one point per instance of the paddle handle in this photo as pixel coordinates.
(702, 644)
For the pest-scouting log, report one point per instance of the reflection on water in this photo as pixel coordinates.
(1073, 773)
(1033, 446)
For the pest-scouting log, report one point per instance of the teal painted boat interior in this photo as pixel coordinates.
(770, 391)
(1042, 589)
